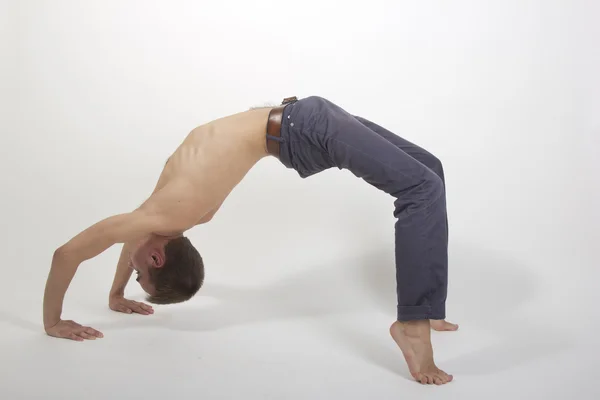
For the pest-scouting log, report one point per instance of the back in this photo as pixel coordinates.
(215, 157)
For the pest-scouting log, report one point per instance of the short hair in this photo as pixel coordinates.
(180, 277)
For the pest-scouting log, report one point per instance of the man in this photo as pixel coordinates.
(308, 135)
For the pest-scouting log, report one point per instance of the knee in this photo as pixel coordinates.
(435, 164)
(434, 184)
(432, 189)
(421, 196)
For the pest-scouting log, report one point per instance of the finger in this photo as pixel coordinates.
(138, 309)
(147, 307)
(73, 336)
(86, 335)
(93, 332)
(139, 304)
(142, 306)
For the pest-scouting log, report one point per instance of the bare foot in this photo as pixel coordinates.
(443, 325)
(414, 339)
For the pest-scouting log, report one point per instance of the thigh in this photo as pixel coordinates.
(418, 153)
(366, 154)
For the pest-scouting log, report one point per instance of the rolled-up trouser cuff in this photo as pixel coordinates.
(411, 313)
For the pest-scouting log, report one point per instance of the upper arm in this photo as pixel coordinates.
(120, 228)
(170, 209)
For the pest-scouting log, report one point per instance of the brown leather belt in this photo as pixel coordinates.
(274, 126)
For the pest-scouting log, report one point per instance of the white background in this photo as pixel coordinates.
(300, 287)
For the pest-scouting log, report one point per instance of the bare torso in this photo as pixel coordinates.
(209, 164)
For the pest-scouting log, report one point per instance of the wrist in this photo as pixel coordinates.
(116, 294)
(51, 323)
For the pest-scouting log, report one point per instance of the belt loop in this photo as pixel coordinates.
(288, 100)
(277, 138)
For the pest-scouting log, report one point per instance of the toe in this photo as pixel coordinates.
(421, 378)
(442, 325)
(451, 327)
(438, 380)
(445, 377)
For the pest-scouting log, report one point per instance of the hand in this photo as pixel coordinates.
(121, 304)
(72, 330)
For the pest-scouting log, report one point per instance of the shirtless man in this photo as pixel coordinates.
(308, 135)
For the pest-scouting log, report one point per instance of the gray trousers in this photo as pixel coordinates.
(317, 134)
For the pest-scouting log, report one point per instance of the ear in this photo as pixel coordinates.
(157, 259)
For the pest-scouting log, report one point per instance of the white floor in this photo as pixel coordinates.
(318, 334)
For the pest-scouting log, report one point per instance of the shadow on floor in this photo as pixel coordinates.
(320, 291)
(20, 322)
(487, 288)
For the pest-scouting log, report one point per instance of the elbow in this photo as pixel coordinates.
(64, 256)
(61, 254)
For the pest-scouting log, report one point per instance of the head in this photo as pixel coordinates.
(169, 269)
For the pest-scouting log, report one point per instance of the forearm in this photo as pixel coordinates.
(122, 228)
(61, 274)
(123, 273)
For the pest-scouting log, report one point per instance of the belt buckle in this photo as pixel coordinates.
(288, 100)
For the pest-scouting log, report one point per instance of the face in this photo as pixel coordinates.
(147, 254)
